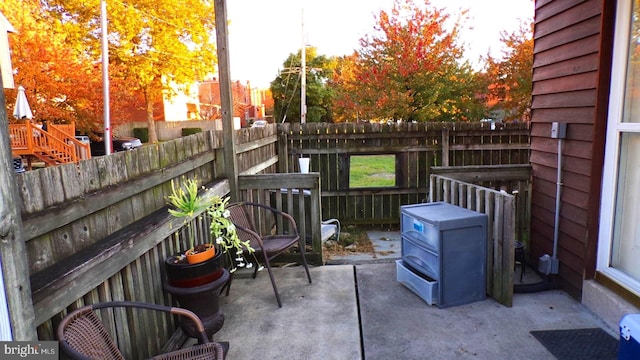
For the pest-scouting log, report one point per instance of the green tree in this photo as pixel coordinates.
(508, 81)
(161, 46)
(286, 88)
(410, 69)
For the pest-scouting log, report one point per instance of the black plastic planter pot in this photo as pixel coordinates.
(203, 300)
(191, 275)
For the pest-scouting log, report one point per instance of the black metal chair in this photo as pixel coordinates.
(83, 335)
(267, 247)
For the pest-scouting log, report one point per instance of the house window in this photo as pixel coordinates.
(619, 238)
(372, 171)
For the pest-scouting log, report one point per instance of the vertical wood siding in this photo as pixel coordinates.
(570, 84)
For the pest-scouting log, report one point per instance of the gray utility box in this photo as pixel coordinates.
(444, 252)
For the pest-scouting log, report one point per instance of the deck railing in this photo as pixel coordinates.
(54, 146)
(66, 133)
(283, 192)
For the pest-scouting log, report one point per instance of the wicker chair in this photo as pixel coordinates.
(82, 334)
(269, 246)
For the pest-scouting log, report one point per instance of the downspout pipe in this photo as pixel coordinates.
(556, 226)
(549, 264)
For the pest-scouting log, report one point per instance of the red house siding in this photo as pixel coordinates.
(571, 76)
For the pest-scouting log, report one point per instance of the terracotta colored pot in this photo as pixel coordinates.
(201, 256)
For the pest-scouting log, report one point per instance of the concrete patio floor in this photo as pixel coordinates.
(359, 311)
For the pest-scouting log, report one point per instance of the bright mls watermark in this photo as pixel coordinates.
(45, 350)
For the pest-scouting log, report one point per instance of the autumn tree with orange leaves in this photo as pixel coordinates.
(509, 80)
(61, 84)
(410, 69)
(160, 47)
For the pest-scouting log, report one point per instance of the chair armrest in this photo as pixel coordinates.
(202, 335)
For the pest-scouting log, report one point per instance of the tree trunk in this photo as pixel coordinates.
(151, 124)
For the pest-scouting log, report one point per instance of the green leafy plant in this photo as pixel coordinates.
(186, 203)
(190, 131)
(226, 236)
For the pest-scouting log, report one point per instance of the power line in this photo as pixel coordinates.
(290, 99)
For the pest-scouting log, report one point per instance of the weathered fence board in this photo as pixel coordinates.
(514, 179)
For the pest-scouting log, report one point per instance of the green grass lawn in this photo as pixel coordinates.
(372, 171)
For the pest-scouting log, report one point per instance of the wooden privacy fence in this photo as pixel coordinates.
(499, 206)
(126, 265)
(69, 207)
(99, 230)
(416, 148)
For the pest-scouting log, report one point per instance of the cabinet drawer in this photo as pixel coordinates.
(421, 231)
(425, 288)
(421, 259)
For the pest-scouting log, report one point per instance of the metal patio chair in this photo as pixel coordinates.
(267, 247)
(83, 335)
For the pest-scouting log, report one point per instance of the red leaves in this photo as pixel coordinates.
(395, 69)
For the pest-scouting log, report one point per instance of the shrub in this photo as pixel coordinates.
(190, 131)
(142, 134)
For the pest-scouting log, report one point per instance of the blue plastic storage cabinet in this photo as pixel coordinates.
(444, 253)
(629, 336)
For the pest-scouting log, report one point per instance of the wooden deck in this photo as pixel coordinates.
(54, 146)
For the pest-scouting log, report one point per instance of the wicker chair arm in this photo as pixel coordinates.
(202, 335)
(90, 311)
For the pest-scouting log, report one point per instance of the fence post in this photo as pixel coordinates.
(283, 152)
(445, 147)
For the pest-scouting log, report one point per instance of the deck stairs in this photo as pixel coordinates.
(54, 146)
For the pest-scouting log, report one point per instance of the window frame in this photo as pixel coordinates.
(615, 128)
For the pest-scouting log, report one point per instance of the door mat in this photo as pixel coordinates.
(579, 344)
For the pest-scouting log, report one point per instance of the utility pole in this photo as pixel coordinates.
(226, 98)
(303, 80)
(108, 145)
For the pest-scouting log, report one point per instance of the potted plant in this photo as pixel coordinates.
(201, 262)
(186, 204)
(196, 284)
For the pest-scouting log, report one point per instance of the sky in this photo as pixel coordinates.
(262, 33)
